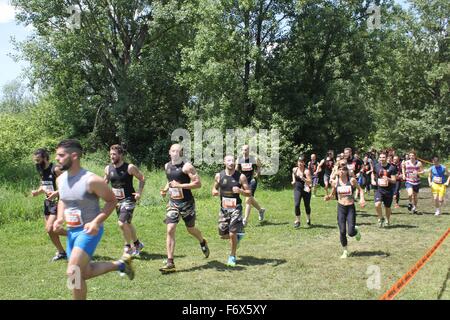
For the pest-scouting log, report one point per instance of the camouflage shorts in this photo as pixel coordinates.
(184, 209)
(230, 220)
(125, 210)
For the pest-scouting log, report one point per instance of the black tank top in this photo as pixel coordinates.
(226, 184)
(175, 172)
(48, 178)
(121, 181)
(299, 182)
(247, 167)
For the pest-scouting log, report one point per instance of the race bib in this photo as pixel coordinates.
(47, 186)
(437, 180)
(412, 175)
(246, 166)
(229, 203)
(344, 190)
(351, 167)
(307, 188)
(176, 193)
(382, 182)
(119, 193)
(73, 218)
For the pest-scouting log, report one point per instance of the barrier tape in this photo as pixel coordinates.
(408, 276)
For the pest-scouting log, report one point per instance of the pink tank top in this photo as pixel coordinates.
(412, 172)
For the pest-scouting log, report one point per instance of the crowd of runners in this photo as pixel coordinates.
(72, 198)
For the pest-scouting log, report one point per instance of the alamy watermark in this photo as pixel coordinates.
(211, 145)
(74, 277)
(374, 19)
(74, 21)
(374, 280)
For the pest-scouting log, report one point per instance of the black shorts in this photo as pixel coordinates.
(385, 196)
(184, 209)
(124, 210)
(50, 207)
(253, 184)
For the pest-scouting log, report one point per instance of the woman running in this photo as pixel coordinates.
(301, 180)
(344, 186)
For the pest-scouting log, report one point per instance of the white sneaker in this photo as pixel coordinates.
(438, 213)
(344, 254)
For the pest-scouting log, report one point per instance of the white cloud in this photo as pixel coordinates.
(7, 12)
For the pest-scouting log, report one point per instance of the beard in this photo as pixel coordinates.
(66, 166)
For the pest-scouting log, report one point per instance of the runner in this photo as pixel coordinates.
(384, 178)
(327, 165)
(411, 171)
(121, 174)
(313, 167)
(436, 180)
(48, 173)
(230, 184)
(344, 186)
(398, 184)
(365, 174)
(301, 180)
(251, 168)
(182, 177)
(79, 193)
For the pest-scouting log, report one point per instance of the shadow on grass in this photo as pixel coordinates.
(370, 254)
(365, 224)
(358, 214)
(242, 261)
(268, 223)
(432, 213)
(444, 285)
(322, 226)
(154, 256)
(401, 226)
(214, 264)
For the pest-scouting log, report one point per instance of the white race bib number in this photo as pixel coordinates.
(246, 166)
(176, 193)
(119, 193)
(344, 190)
(229, 203)
(47, 186)
(73, 218)
(382, 182)
(437, 180)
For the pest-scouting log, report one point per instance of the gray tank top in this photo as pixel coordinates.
(80, 206)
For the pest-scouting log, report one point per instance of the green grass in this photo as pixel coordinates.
(275, 261)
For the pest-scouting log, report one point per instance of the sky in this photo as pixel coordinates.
(11, 70)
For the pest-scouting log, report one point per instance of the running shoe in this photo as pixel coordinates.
(344, 254)
(297, 224)
(244, 222)
(168, 268)
(137, 250)
(358, 234)
(308, 222)
(205, 248)
(437, 213)
(127, 266)
(261, 214)
(387, 223)
(60, 256)
(410, 206)
(127, 250)
(380, 222)
(231, 261)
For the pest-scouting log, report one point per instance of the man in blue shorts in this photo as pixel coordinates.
(79, 194)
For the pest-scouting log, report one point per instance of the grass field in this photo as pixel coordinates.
(275, 261)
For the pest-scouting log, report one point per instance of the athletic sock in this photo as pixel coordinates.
(170, 261)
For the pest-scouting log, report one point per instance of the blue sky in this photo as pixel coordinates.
(10, 69)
